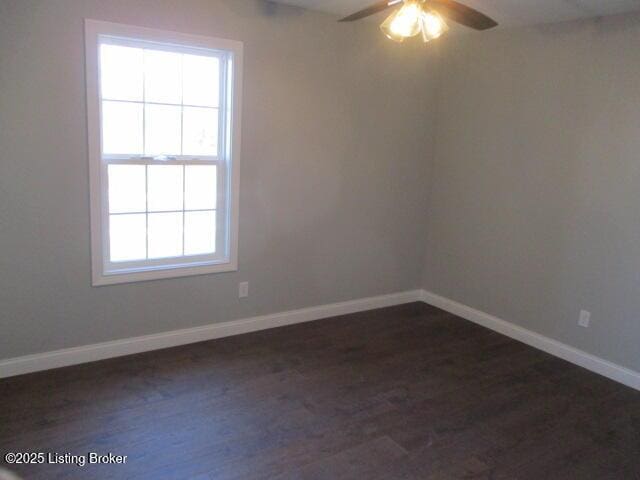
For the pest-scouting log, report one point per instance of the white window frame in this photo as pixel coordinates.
(228, 162)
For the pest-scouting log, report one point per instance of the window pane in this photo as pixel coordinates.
(127, 188)
(121, 72)
(127, 234)
(199, 233)
(201, 81)
(165, 235)
(162, 76)
(200, 187)
(122, 128)
(162, 130)
(164, 187)
(200, 134)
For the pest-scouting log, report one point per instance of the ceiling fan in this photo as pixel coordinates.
(425, 17)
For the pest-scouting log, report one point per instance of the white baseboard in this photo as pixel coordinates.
(578, 357)
(100, 351)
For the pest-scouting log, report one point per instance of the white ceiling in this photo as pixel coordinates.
(505, 12)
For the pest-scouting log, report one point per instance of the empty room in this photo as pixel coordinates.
(320, 239)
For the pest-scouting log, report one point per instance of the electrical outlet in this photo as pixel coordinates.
(243, 290)
(585, 319)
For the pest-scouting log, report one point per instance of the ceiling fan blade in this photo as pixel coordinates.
(371, 10)
(462, 14)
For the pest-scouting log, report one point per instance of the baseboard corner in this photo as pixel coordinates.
(613, 371)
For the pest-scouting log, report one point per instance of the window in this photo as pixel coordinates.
(164, 141)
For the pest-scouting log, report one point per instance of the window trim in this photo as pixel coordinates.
(231, 157)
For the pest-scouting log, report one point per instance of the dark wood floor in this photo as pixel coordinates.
(408, 392)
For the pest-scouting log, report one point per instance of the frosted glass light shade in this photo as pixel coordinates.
(432, 26)
(412, 19)
(403, 23)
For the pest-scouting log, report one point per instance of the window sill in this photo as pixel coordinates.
(100, 279)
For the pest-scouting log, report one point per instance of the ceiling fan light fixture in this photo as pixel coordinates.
(423, 16)
(403, 23)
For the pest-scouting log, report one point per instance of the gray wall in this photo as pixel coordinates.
(527, 201)
(333, 170)
(534, 208)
